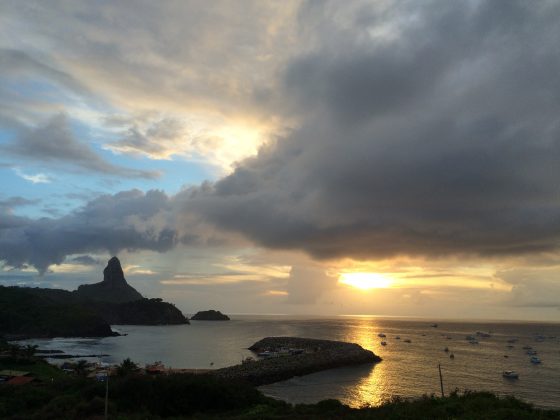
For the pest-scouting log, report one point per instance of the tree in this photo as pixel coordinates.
(127, 367)
(81, 367)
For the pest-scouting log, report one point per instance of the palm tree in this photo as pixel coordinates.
(81, 367)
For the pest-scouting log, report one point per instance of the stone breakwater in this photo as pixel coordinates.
(317, 355)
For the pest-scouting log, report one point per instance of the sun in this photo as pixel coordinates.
(365, 281)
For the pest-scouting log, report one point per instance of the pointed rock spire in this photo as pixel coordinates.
(113, 273)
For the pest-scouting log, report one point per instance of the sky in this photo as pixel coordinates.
(392, 158)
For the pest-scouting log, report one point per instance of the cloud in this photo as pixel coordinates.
(10, 203)
(84, 260)
(39, 178)
(55, 143)
(306, 284)
(440, 138)
(129, 220)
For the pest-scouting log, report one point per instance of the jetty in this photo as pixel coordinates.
(286, 357)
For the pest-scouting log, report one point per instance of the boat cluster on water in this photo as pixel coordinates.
(282, 351)
(474, 339)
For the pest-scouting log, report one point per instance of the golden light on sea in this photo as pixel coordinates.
(365, 281)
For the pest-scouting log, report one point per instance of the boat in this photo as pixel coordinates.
(452, 356)
(446, 349)
(531, 352)
(483, 334)
(526, 347)
(407, 341)
(381, 335)
(267, 354)
(535, 360)
(383, 343)
(434, 325)
(473, 341)
(510, 374)
(398, 337)
(470, 338)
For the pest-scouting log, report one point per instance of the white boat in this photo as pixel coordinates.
(535, 360)
(510, 374)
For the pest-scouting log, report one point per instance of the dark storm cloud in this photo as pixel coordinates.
(55, 143)
(9, 204)
(85, 260)
(128, 220)
(440, 137)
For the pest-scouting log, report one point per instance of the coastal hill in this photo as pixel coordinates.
(86, 312)
(113, 288)
(26, 312)
(210, 315)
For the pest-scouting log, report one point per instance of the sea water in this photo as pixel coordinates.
(408, 370)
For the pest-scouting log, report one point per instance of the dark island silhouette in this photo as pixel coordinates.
(113, 288)
(87, 312)
(210, 315)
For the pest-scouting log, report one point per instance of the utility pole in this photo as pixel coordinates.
(440, 380)
(106, 395)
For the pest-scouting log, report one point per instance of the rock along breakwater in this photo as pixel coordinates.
(293, 356)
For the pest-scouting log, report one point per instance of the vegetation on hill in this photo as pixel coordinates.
(139, 312)
(26, 312)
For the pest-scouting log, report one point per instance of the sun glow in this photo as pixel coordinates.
(365, 281)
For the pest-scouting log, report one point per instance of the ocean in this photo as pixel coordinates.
(408, 369)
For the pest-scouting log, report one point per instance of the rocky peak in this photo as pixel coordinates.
(113, 288)
(113, 273)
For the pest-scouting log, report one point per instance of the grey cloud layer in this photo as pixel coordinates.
(128, 220)
(425, 128)
(442, 138)
(55, 143)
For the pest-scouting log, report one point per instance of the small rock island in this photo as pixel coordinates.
(282, 358)
(210, 315)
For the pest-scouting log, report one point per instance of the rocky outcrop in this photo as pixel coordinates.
(210, 315)
(113, 288)
(294, 356)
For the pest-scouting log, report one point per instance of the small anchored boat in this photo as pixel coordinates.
(510, 374)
